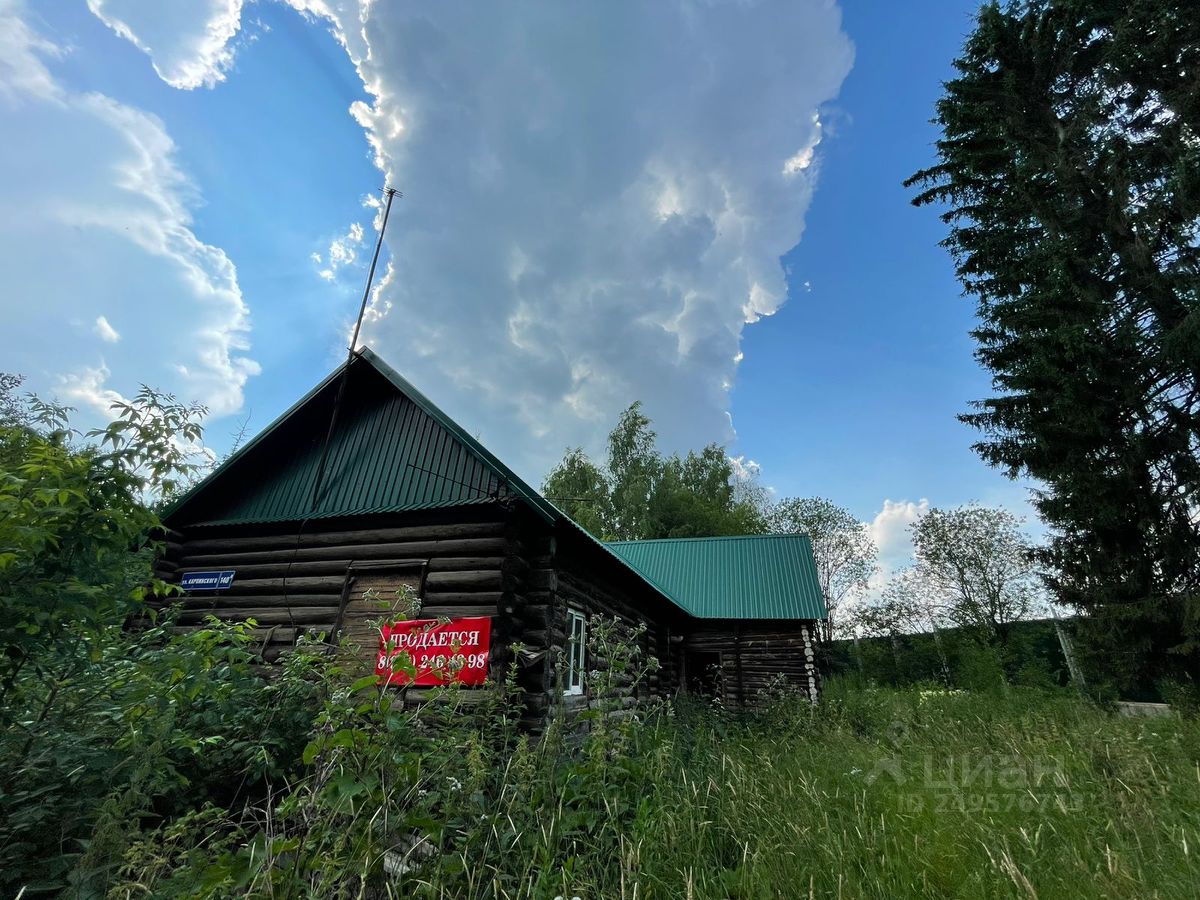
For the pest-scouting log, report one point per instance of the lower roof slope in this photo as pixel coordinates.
(752, 577)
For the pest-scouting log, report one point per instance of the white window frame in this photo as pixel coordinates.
(576, 652)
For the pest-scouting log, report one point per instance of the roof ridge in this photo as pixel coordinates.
(714, 537)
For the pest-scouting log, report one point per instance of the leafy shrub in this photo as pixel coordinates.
(152, 725)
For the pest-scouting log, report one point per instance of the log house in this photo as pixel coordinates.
(406, 497)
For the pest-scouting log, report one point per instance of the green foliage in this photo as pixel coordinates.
(877, 793)
(104, 725)
(956, 657)
(150, 725)
(70, 516)
(580, 489)
(633, 465)
(977, 567)
(874, 792)
(441, 799)
(1070, 166)
(640, 494)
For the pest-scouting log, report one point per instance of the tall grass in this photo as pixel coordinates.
(890, 793)
(874, 793)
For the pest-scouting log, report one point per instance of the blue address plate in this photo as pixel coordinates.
(207, 581)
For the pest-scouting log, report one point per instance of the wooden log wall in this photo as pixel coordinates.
(497, 562)
(530, 585)
(592, 590)
(293, 584)
(757, 656)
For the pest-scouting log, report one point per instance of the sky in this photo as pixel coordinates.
(698, 205)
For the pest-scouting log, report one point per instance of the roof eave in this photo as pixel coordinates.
(180, 502)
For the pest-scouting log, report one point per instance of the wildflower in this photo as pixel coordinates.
(925, 695)
(454, 783)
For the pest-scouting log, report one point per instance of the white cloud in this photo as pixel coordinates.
(804, 157)
(85, 389)
(104, 331)
(891, 532)
(596, 200)
(23, 73)
(343, 251)
(97, 217)
(188, 43)
(744, 469)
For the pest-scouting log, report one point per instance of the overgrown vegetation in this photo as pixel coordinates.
(877, 792)
(138, 761)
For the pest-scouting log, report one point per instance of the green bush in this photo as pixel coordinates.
(153, 726)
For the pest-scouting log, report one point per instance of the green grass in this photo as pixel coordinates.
(876, 792)
(888, 793)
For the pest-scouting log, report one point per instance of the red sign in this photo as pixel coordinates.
(439, 652)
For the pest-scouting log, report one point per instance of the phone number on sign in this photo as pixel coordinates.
(452, 662)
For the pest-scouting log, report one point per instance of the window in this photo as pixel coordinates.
(576, 651)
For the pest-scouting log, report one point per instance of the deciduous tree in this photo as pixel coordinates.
(975, 568)
(641, 494)
(844, 552)
(71, 513)
(580, 488)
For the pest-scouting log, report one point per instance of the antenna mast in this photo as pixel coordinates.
(390, 193)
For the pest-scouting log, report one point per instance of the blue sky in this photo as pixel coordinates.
(854, 386)
(596, 207)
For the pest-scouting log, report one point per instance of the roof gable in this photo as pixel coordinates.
(392, 451)
(751, 577)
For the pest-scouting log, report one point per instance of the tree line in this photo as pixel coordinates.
(974, 565)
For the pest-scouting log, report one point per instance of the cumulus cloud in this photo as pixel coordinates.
(104, 331)
(890, 530)
(188, 43)
(596, 200)
(97, 217)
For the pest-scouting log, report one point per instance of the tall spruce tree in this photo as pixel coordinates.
(1069, 163)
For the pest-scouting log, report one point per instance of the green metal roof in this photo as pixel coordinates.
(393, 451)
(753, 577)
